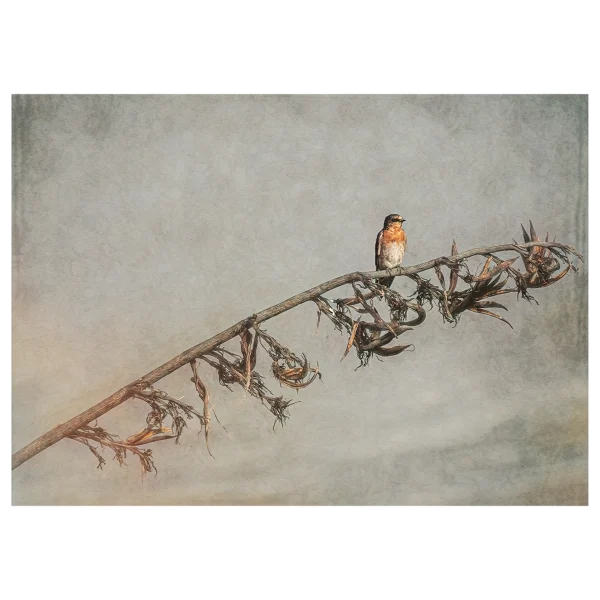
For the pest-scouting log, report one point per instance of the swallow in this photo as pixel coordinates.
(390, 246)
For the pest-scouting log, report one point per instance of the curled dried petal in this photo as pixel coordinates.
(491, 314)
(350, 340)
(392, 351)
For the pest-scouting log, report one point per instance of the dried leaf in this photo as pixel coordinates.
(497, 269)
(136, 437)
(486, 265)
(154, 438)
(453, 270)
(535, 251)
(440, 276)
(482, 276)
(392, 351)
(299, 385)
(205, 398)
(377, 343)
(491, 314)
(496, 284)
(544, 252)
(246, 338)
(557, 277)
(207, 422)
(534, 237)
(351, 339)
(253, 353)
(497, 291)
(490, 304)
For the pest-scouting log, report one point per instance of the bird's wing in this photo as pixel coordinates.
(378, 249)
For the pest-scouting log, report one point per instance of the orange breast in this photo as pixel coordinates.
(393, 235)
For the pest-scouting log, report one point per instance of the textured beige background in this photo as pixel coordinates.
(143, 225)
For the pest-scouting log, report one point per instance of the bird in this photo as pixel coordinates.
(390, 246)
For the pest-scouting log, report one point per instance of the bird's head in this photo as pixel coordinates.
(394, 219)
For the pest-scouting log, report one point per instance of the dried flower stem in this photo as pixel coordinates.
(135, 389)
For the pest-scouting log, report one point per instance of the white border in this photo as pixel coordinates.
(306, 91)
(267, 508)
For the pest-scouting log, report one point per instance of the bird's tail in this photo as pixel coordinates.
(385, 281)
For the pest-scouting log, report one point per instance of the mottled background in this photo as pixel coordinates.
(145, 224)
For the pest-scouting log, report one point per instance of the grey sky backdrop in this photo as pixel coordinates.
(145, 224)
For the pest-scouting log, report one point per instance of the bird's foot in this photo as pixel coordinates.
(251, 321)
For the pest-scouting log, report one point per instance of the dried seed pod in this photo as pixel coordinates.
(454, 270)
